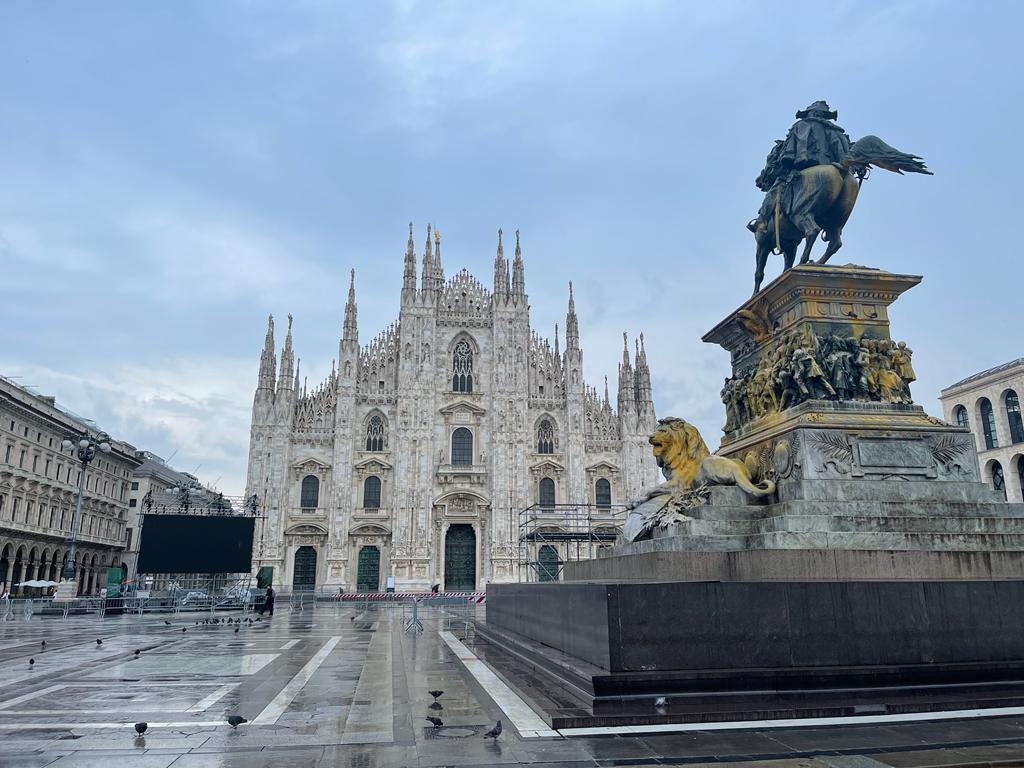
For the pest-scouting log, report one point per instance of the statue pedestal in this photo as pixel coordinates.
(855, 582)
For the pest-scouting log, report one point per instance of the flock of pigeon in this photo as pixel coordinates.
(236, 720)
(437, 722)
(140, 728)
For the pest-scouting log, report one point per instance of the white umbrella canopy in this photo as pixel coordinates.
(37, 583)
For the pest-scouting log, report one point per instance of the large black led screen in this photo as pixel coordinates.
(195, 544)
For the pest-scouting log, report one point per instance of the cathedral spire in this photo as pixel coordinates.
(409, 276)
(626, 403)
(607, 402)
(297, 364)
(518, 276)
(284, 380)
(572, 327)
(644, 397)
(558, 352)
(500, 270)
(438, 269)
(350, 331)
(427, 278)
(268, 360)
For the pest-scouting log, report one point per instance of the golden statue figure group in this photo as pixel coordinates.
(810, 367)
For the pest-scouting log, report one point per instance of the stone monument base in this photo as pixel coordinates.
(758, 650)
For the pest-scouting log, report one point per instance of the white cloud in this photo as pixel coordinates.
(196, 408)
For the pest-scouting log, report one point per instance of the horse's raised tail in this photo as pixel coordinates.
(871, 150)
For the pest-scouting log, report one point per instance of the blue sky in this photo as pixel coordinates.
(173, 172)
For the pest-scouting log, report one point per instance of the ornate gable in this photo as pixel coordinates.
(548, 466)
(463, 406)
(311, 466)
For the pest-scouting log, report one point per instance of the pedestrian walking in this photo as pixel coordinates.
(268, 601)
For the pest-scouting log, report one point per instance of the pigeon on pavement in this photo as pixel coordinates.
(98, 641)
(236, 720)
(184, 629)
(437, 722)
(495, 732)
(436, 694)
(436, 705)
(140, 728)
(236, 629)
(31, 662)
(137, 651)
(43, 644)
(167, 622)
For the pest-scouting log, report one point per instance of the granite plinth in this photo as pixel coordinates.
(782, 647)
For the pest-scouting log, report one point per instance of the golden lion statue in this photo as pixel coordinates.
(689, 469)
(686, 462)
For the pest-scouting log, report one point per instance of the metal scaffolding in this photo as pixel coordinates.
(553, 534)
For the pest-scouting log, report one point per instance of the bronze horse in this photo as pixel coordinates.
(831, 192)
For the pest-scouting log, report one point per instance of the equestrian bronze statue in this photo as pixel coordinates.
(811, 180)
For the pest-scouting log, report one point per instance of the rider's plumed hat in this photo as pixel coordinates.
(818, 109)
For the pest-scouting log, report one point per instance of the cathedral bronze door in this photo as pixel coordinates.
(304, 571)
(368, 570)
(460, 559)
(548, 563)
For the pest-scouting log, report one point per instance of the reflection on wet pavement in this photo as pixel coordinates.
(322, 689)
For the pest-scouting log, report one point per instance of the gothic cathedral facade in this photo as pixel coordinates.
(415, 457)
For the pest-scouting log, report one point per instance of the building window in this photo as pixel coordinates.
(46, 469)
(35, 463)
(371, 492)
(998, 481)
(988, 424)
(1020, 476)
(132, 503)
(375, 433)
(462, 446)
(546, 492)
(135, 486)
(603, 493)
(545, 437)
(310, 492)
(1013, 416)
(462, 367)
(7, 455)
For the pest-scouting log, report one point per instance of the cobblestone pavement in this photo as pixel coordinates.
(338, 687)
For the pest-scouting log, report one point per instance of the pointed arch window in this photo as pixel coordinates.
(988, 424)
(998, 480)
(375, 434)
(371, 492)
(462, 367)
(960, 414)
(310, 496)
(1013, 417)
(462, 446)
(545, 437)
(546, 492)
(603, 493)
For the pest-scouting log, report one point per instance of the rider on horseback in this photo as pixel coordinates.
(814, 139)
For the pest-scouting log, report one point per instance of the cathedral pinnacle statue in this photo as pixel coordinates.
(811, 180)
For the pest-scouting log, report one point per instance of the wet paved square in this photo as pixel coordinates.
(339, 686)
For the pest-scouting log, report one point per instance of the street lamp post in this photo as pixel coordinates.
(85, 449)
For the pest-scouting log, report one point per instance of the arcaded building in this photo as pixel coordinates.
(988, 403)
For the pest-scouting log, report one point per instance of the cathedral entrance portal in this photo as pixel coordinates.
(368, 573)
(460, 559)
(549, 563)
(304, 571)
